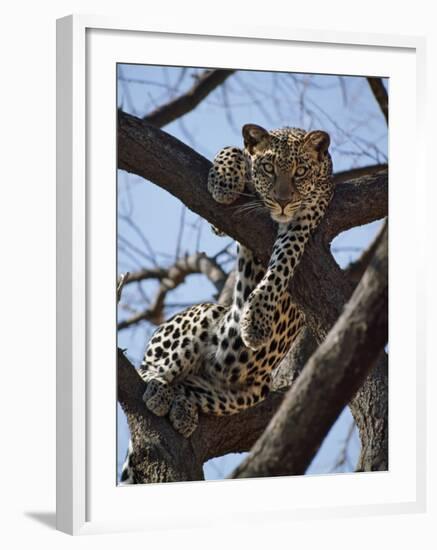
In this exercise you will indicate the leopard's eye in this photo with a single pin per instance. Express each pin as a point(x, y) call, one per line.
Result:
point(268, 167)
point(301, 171)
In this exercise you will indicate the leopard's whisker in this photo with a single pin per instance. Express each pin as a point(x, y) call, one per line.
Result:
point(244, 206)
point(251, 211)
point(249, 204)
point(250, 207)
point(293, 207)
point(247, 210)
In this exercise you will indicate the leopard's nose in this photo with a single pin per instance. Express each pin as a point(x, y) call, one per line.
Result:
point(283, 203)
point(282, 191)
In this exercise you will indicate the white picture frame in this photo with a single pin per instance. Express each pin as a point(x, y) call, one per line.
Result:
point(76, 309)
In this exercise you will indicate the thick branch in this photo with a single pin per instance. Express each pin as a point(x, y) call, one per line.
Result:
point(320, 288)
point(167, 162)
point(353, 173)
point(329, 380)
point(207, 82)
point(161, 454)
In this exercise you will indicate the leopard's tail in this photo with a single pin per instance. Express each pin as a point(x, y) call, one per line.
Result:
point(127, 477)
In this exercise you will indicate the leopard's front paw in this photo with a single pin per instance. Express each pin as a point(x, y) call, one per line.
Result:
point(158, 397)
point(255, 324)
point(184, 416)
point(227, 176)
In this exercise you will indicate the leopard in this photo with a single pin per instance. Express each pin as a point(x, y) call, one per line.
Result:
point(219, 360)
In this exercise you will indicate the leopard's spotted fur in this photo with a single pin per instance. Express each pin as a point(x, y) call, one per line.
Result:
point(219, 359)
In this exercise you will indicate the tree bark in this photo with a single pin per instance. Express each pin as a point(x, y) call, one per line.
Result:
point(319, 286)
point(159, 453)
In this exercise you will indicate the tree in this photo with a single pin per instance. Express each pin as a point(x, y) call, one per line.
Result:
point(339, 359)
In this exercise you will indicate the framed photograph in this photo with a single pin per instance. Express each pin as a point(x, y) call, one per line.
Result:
point(238, 327)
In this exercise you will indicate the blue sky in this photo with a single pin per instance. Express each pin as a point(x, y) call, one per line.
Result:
point(343, 106)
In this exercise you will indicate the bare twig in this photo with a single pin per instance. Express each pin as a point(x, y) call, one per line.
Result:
point(180, 232)
point(127, 244)
point(151, 256)
point(146, 273)
point(207, 82)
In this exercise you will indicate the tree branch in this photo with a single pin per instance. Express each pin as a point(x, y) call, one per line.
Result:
point(380, 93)
point(354, 271)
point(328, 381)
point(206, 82)
point(171, 278)
point(161, 454)
point(348, 175)
point(156, 156)
point(291, 366)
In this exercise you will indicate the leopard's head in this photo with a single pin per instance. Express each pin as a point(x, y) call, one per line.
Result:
point(290, 168)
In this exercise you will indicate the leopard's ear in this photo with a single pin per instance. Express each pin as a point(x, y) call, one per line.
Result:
point(256, 138)
point(318, 142)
